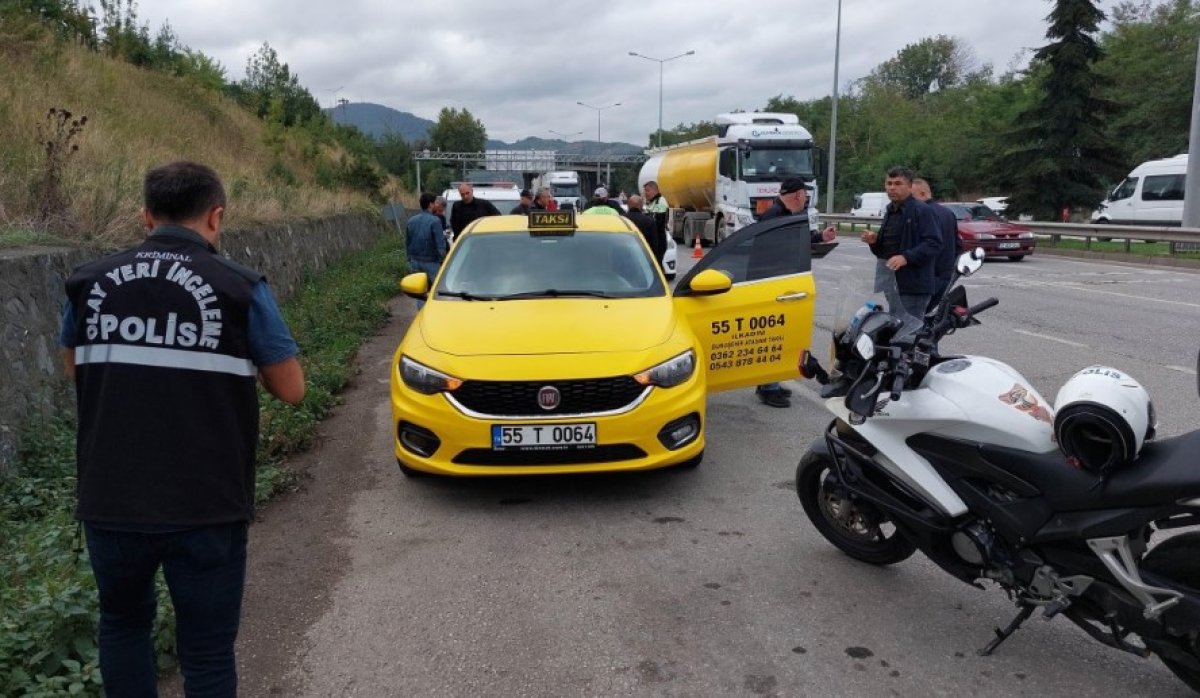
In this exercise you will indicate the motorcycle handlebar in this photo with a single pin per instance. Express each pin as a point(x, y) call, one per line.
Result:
point(976, 309)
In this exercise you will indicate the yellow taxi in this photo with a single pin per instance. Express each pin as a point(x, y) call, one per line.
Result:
point(553, 344)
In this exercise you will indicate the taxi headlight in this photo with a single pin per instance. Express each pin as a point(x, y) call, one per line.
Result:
point(671, 372)
point(426, 380)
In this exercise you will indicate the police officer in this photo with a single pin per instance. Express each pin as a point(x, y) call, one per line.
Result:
point(165, 342)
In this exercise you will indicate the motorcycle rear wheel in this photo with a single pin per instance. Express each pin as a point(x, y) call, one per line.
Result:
point(857, 528)
point(1176, 559)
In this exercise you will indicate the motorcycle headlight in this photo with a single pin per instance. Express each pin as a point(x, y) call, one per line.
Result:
point(671, 372)
point(424, 379)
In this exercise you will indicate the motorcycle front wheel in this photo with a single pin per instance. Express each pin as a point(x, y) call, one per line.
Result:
point(855, 527)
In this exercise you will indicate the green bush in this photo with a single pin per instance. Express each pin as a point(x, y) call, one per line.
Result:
point(48, 605)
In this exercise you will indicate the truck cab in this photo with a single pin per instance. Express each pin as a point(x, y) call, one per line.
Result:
point(720, 184)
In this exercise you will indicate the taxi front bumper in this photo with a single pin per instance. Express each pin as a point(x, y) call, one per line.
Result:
point(433, 433)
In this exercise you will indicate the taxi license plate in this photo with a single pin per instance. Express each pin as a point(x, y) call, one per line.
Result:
point(1008, 245)
point(533, 437)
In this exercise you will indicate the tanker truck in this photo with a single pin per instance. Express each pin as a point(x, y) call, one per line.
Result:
point(717, 185)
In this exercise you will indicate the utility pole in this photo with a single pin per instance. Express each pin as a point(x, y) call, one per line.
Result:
point(837, 49)
point(1191, 197)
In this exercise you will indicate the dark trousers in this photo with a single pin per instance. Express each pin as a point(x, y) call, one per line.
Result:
point(205, 570)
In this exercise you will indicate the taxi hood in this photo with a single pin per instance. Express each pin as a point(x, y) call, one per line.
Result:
point(546, 325)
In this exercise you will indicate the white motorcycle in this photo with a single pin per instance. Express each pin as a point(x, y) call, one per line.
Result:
point(961, 458)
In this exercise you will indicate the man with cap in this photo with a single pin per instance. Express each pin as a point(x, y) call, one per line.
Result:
point(523, 208)
point(792, 200)
point(601, 204)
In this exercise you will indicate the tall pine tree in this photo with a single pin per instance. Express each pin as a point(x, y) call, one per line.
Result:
point(1059, 156)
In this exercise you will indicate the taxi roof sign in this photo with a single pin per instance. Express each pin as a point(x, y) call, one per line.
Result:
point(551, 221)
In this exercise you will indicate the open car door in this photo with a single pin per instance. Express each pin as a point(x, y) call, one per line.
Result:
point(753, 328)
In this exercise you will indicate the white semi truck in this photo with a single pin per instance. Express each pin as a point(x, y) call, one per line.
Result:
point(717, 185)
point(563, 186)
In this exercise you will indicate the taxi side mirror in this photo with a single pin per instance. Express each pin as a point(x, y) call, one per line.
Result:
point(415, 285)
point(710, 282)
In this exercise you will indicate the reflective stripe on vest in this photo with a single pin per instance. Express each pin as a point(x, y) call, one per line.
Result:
point(163, 358)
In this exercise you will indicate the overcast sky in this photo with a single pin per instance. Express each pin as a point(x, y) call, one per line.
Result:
point(521, 66)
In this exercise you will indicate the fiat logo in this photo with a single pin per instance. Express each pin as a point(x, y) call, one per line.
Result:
point(548, 397)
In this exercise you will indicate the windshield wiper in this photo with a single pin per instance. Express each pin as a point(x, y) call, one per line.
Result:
point(466, 296)
point(555, 293)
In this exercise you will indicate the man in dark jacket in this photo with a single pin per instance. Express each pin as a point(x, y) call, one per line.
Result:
point(907, 243)
point(469, 208)
point(646, 224)
point(425, 242)
point(526, 205)
point(948, 227)
point(793, 199)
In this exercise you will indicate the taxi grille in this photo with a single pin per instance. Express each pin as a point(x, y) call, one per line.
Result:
point(600, 454)
point(520, 398)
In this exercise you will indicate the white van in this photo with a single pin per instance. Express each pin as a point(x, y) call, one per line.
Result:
point(1152, 194)
point(870, 204)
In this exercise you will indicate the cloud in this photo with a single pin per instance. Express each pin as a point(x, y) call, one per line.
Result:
point(521, 66)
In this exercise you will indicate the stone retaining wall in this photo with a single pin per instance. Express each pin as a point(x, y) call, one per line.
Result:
point(32, 384)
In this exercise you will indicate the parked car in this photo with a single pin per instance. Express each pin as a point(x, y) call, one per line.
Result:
point(980, 226)
point(869, 204)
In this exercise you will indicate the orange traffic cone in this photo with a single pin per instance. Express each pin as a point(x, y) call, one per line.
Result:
point(697, 253)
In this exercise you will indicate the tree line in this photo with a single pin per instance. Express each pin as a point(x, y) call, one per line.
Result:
point(1090, 106)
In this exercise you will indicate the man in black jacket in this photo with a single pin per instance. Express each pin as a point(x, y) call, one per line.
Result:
point(649, 228)
point(793, 199)
point(526, 205)
point(469, 208)
point(907, 243)
point(948, 228)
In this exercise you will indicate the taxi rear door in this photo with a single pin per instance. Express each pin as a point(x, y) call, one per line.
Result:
point(754, 332)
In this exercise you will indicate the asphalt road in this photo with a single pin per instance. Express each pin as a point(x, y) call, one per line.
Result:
point(700, 583)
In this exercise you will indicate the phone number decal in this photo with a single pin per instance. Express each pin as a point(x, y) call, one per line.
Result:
point(746, 341)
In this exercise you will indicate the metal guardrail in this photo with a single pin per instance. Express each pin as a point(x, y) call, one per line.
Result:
point(1181, 239)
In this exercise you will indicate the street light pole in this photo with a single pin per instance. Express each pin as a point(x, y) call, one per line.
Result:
point(598, 110)
point(1191, 197)
point(837, 49)
point(660, 62)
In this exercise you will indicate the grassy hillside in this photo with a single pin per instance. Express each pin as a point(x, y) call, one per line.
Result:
point(137, 118)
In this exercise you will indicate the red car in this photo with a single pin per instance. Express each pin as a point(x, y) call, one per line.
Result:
point(980, 226)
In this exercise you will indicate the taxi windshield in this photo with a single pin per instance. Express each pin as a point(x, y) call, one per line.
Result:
point(510, 266)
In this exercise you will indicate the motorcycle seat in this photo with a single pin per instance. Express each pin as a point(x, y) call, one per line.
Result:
point(1165, 472)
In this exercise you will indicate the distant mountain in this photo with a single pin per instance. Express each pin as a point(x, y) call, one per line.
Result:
point(377, 121)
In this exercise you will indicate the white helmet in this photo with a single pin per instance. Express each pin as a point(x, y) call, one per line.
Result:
point(1102, 417)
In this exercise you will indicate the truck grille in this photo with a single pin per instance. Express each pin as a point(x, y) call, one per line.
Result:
point(520, 398)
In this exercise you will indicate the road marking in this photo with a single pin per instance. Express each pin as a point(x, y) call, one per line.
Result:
point(1091, 289)
point(1183, 369)
point(1052, 339)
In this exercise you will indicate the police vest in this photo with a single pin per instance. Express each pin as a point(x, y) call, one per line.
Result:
point(168, 407)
